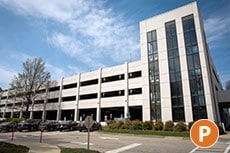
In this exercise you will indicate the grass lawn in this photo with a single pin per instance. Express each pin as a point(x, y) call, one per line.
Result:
point(77, 150)
point(12, 148)
point(147, 132)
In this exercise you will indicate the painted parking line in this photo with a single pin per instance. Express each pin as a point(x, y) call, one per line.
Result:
point(82, 143)
point(124, 148)
point(109, 138)
point(195, 149)
point(227, 150)
point(220, 146)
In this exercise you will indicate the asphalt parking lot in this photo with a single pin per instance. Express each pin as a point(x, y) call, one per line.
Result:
point(114, 143)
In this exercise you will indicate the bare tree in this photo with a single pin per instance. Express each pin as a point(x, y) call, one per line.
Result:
point(228, 85)
point(26, 85)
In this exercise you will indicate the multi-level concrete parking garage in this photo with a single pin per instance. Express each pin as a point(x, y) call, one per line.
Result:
point(174, 80)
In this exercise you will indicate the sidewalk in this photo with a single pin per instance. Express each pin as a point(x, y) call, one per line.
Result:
point(39, 147)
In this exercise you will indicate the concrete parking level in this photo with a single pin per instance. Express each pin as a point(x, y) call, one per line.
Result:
point(115, 143)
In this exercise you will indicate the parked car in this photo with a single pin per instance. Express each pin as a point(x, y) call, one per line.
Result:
point(67, 125)
point(48, 125)
point(2, 120)
point(30, 125)
point(96, 126)
point(7, 126)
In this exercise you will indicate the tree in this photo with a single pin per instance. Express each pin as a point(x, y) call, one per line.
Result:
point(26, 85)
point(228, 85)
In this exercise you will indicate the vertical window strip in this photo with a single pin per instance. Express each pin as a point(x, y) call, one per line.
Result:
point(194, 68)
point(174, 72)
point(154, 80)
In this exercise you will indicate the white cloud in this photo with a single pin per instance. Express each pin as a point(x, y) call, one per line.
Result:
point(6, 76)
point(217, 27)
point(68, 44)
point(75, 69)
point(90, 29)
point(56, 72)
point(19, 56)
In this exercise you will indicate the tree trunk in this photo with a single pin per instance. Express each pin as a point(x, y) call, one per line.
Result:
point(27, 113)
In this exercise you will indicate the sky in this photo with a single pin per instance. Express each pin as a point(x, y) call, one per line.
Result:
point(77, 36)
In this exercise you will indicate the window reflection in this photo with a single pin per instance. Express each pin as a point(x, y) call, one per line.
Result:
point(193, 63)
point(154, 75)
point(175, 73)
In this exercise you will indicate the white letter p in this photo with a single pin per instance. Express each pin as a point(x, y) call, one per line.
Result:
point(203, 132)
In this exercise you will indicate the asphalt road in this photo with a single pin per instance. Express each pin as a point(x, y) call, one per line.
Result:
point(114, 143)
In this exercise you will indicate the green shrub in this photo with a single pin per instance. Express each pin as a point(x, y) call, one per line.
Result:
point(17, 120)
point(112, 125)
point(120, 124)
point(190, 124)
point(110, 121)
point(136, 125)
point(169, 125)
point(147, 125)
point(127, 125)
point(158, 126)
point(77, 150)
point(12, 148)
point(180, 127)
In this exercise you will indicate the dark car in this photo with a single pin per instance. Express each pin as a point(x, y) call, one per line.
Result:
point(67, 125)
point(96, 126)
point(48, 125)
point(30, 125)
point(8, 126)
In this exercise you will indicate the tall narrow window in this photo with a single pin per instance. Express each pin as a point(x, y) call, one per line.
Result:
point(154, 81)
point(174, 72)
point(194, 69)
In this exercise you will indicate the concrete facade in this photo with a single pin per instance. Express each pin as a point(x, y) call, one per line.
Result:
point(130, 86)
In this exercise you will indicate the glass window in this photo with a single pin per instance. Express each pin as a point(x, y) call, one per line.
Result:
point(189, 50)
point(150, 48)
point(172, 77)
point(171, 64)
point(196, 61)
point(149, 37)
point(154, 47)
point(198, 73)
point(156, 67)
point(150, 58)
point(195, 49)
point(193, 63)
point(176, 53)
point(153, 74)
point(169, 43)
point(175, 73)
point(170, 53)
point(176, 64)
point(190, 62)
point(154, 35)
point(193, 37)
point(178, 76)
